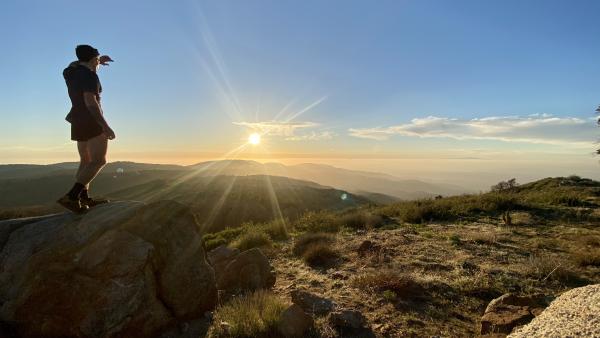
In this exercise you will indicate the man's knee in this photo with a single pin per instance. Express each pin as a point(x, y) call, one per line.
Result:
point(99, 163)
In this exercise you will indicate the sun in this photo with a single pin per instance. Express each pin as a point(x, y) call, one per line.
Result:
point(254, 139)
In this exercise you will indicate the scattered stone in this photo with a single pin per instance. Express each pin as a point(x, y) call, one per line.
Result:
point(576, 313)
point(312, 303)
point(349, 319)
point(248, 271)
point(294, 322)
point(339, 275)
point(469, 266)
point(367, 247)
point(508, 311)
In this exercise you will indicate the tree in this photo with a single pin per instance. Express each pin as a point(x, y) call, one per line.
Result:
point(505, 185)
point(598, 112)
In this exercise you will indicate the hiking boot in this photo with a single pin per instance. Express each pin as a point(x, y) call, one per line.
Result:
point(73, 205)
point(92, 202)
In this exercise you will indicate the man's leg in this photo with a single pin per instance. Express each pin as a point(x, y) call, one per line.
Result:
point(96, 148)
point(84, 157)
point(72, 199)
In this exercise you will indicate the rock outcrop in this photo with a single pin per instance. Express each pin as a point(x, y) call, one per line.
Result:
point(122, 269)
point(576, 313)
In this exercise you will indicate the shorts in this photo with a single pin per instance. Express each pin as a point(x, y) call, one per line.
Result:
point(85, 130)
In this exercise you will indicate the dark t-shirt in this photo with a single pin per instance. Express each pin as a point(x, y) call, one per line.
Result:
point(80, 79)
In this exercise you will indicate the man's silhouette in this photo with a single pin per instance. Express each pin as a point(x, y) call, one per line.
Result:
point(88, 126)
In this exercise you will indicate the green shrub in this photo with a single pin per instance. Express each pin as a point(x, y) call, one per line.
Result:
point(389, 295)
point(223, 237)
point(253, 239)
point(455, 240)
point(252, 315)
point(276, 229)
point(317, 222)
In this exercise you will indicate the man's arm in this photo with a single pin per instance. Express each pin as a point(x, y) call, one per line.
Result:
point(94, 107)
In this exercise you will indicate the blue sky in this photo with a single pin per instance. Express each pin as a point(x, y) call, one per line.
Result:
point(398, 79)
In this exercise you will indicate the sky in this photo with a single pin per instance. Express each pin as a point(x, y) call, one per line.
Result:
point(424, 89)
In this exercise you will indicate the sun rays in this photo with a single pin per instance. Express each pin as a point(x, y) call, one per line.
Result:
point(214, 64)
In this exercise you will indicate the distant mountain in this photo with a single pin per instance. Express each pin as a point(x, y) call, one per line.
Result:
point(27, 185)
point(350, 180)
point(10, 171)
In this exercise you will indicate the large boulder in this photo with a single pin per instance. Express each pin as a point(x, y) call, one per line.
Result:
point(576, 313)
point(122, 269)
point(509, 310)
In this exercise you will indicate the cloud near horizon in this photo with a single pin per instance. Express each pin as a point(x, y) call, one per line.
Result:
point(291, 131)
point(535, 128)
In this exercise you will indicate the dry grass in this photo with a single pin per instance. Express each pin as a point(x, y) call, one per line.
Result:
point(545, 267)
point(482, 237)
point(402, 285)
point(253, 315)
point(586, 257)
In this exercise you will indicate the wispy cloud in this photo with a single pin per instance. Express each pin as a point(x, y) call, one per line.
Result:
point(291, 131)
point(535, 128)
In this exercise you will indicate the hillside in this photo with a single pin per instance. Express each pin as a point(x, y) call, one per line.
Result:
point(430, 267)
point(228, 201)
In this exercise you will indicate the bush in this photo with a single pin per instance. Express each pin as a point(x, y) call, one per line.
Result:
point(253, 239)
point(276, 229)
point(319, 254)
point(304, 241)
point(317, 222)
point(223, 237)
point(360, 219)
point(252, 315)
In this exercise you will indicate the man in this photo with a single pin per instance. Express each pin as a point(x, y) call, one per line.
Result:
point(88, 126)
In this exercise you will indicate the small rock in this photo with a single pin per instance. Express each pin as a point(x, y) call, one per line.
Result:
point(312, 303)
point(349, 319)
point(294, 322)
point(508, 311)
point(367, 247)
point(339, 275)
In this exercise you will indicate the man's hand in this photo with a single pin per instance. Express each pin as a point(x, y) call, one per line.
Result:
point(110, 134)
point(105, 59)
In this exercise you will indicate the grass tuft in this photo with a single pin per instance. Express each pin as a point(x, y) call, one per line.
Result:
point(252, 315)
